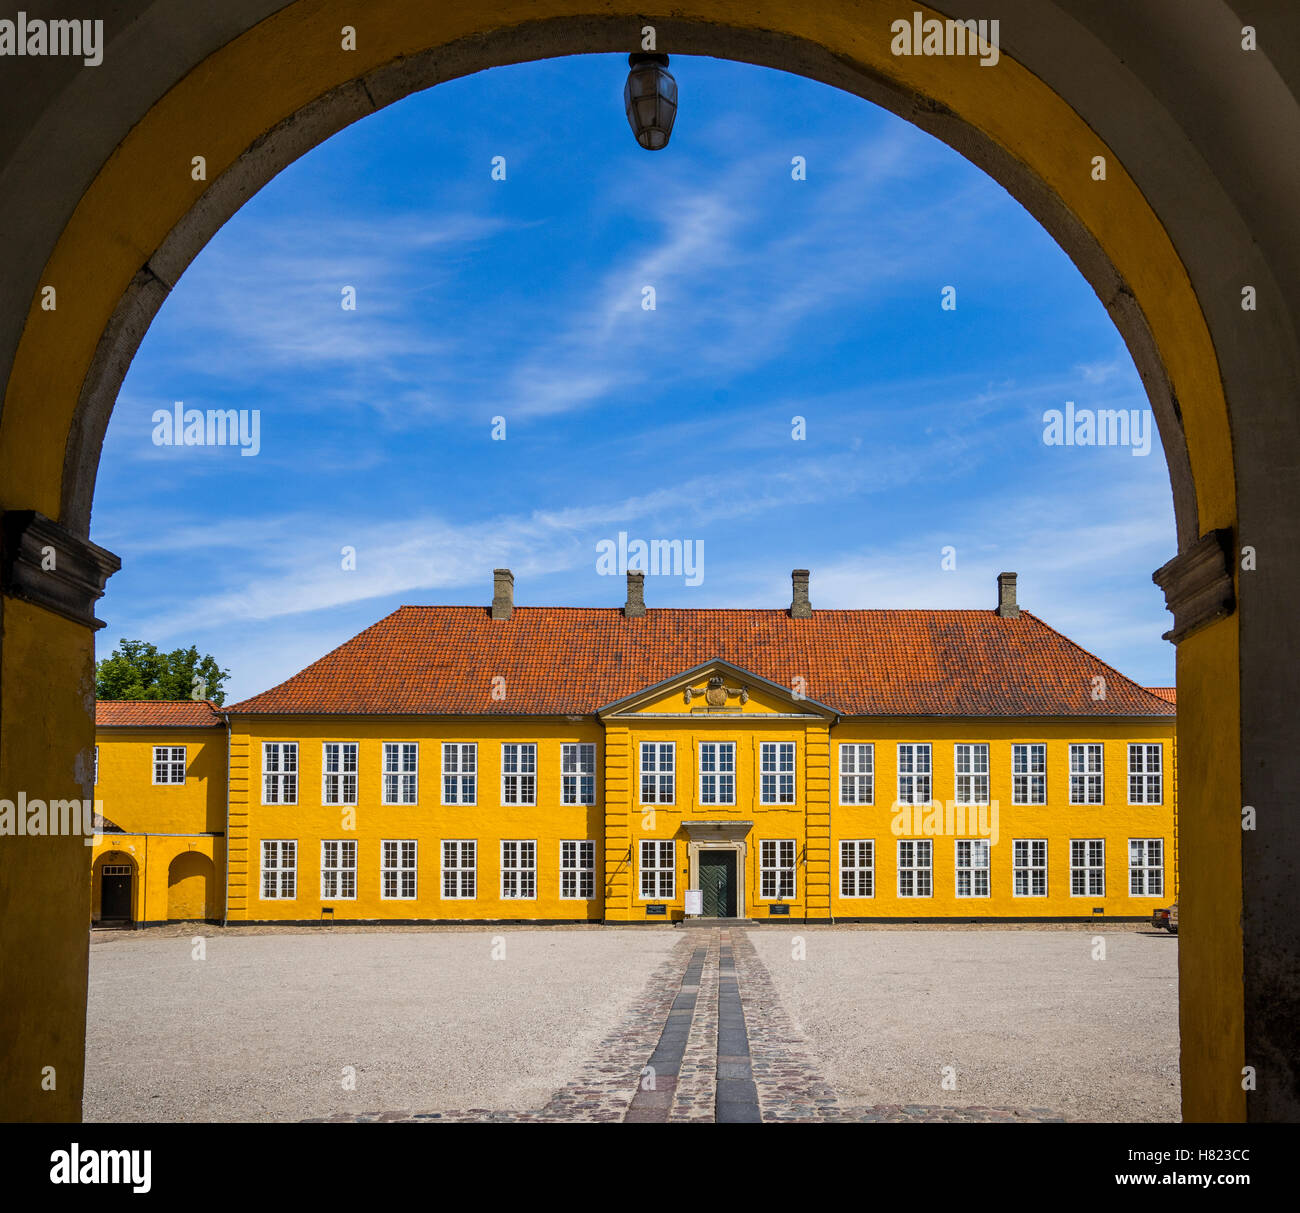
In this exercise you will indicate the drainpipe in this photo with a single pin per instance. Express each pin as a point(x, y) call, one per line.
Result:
point(225, 894)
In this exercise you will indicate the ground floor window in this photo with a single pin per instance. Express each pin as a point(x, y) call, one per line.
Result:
point(1146, 867)
point(518, 870)
point(1029, 867)
point(279, 869)
point(776, 869)
point(857, 868)
point(338, 870)
point(972, 867)
point(1087, 867)
point(459, 870)
point(398, 870)
point(658, 871)
point(915, 868)
point(577, 870)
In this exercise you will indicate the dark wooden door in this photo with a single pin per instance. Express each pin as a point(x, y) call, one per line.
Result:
point(718, 883)
point(116, 903)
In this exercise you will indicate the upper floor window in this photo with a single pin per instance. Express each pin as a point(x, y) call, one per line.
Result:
point(519, 773)
point(279, 772)
point(717, 772)
point(971, 763)
point(401, 772)
point(1086, 774)
point(914, 773)
point(338, 772)
point(1144, 774)
point(578, 773)
point(459, 772)
point(168, 764)
point(776, 772)
point(658, 772)
point(1029, 774)
point(857, 773)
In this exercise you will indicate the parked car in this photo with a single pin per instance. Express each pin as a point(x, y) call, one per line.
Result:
point(1166, 919)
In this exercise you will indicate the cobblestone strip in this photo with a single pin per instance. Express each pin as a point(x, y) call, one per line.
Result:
point(696, 1081)
point(737, 1097)
point(652, 1100)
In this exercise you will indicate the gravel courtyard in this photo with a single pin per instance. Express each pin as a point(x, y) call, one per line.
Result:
point(265, 1027)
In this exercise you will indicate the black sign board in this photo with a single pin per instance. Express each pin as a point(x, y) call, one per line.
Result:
point(656, 911)
point(779, 910)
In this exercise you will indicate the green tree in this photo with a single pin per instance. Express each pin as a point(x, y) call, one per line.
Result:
point(137, 670)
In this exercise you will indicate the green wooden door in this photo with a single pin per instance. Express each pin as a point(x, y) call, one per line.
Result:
point(718, 883)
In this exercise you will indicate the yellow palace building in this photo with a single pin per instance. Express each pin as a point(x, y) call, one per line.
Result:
point(514, 763)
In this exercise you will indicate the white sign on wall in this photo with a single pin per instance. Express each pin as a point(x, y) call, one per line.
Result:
point(695, 901)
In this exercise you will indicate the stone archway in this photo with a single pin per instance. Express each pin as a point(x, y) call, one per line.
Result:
point(1192, 209)
point(115, 889)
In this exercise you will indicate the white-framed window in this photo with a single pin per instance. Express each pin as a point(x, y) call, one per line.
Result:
point(169, 764)
point(1029, 867)
point(338, 870)
point(279, 772)
point(401, 772)
point(1087, 867)
point(857, 772)
point(577, 870)
point(519, 772)
point(338, 766)
point(717, 772)
point(518, 870)
point(915, 867)
point(459, 772)
point(776, 869)
point(658, 870)
point(397, 869)
point(279, 869)
point(776, 772)
point(459, 869)
point(972, 867)
point(1029, 773)
point(1146, 867)
point(1144, 774)
point(1086, 774)
point(914, 773)
point(971, 764)
point(577, 773)
point(658, 772)
point(857, 867)
point(97, 764)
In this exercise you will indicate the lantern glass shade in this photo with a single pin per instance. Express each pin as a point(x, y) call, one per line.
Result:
point(650, 99)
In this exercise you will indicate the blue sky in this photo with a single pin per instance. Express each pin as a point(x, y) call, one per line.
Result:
point(522, 298)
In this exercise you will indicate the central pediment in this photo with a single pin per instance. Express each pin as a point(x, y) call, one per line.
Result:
point(718, 688)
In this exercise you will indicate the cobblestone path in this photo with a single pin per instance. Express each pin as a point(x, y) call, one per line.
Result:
point(707, 1040)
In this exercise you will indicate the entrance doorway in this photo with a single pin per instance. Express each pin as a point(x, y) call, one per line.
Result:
point(115, 895)
point(718, 883)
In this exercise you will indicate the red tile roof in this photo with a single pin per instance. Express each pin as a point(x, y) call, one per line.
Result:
point(1168, 694)
point(562, 660)
point(155, 714)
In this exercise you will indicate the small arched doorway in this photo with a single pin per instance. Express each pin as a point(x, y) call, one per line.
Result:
point(116, 881)
point(189, 887)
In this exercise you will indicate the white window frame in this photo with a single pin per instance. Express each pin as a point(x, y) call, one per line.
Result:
point(1025, 862)
point(717, 778)
point(967, 856)
point(782, 781)
point(778, 869)
point(663, 863)
point(460, 772)
point(909, 768)
point(1082, 754)
point(521, 864)
point(1029, 772)
point(1149, 779)
point(283, 849)
point(910, 852)
point(1088, 868)
point(335, 772)
point(519, 774)
point(398, 850)
point(578, 861)
point(340, 865)
point(169, 764)
point(856, 868)
point(401, 784)
point(658, 772)
point(855, 777)
point(462, 872)
point(280, 773)
point(577, 772)
point(970, 764)
point(1148, 872)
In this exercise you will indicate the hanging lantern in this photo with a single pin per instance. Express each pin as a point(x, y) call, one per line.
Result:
point(650, 98)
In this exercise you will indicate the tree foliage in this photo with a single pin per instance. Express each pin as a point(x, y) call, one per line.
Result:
point(137, 670)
